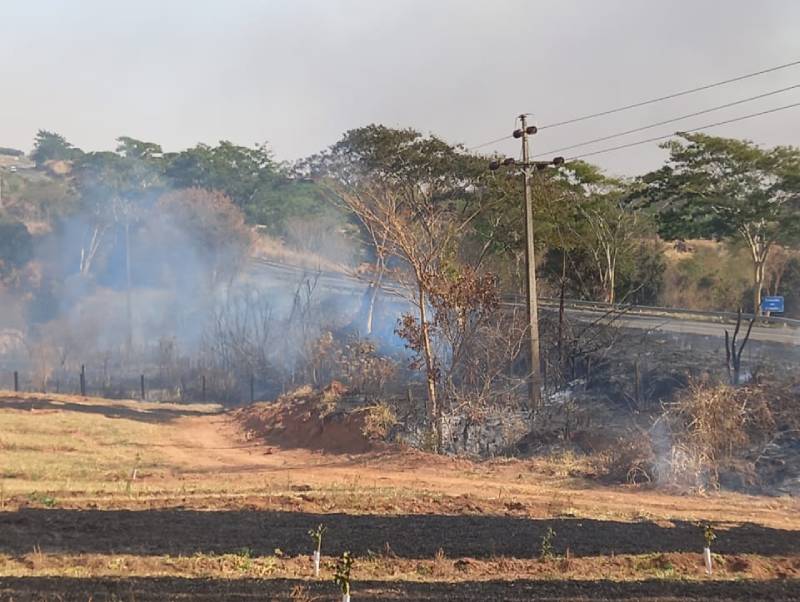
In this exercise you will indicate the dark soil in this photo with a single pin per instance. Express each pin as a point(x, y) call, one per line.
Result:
point(41, 589)
point(186, 532)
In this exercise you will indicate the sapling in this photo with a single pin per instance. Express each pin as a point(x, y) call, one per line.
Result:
point(546, 551)
point(316, 537)
point(342, 575)
point(709, 536)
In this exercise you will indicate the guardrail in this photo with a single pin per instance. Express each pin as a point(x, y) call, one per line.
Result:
point(574, 304)
point(685, 313)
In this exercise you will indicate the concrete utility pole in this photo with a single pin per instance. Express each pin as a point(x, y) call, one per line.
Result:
point(535, 380)
point(535, 376)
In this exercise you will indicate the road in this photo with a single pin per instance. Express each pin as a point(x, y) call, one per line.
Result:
point(283, 275)
point(773, 334)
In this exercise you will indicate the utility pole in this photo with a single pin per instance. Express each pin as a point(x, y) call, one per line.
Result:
point(128, 302)
point(532, 301)
point(527, 168)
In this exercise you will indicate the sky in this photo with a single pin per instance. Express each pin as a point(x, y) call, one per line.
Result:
point(299, 73)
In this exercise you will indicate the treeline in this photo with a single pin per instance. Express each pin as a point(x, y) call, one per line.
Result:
point(599, 237)
point(261, 188)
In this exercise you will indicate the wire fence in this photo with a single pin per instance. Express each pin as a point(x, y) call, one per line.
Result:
point(188, 387)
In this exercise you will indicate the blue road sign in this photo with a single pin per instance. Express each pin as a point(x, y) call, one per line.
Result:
point(772, 304)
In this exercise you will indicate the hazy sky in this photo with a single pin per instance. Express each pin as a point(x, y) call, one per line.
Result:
point(297, 73)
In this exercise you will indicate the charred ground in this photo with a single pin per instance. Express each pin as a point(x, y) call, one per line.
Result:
point(219, 509)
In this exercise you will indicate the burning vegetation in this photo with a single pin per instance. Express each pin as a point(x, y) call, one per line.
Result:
point(140, 273)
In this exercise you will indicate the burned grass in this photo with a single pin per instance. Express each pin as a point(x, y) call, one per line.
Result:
point(61, 589)
point(186, 532)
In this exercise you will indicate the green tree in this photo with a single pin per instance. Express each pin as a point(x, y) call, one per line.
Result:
point(601, 242)
point(104, 177)
point(132, 148)
point(722, 188)
point(116, 190)
point(49, 146)
point(16, 246)
point(235, 170)
point(268, 193)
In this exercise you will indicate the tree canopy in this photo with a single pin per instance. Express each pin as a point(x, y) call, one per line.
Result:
point(719, 188)
point(49, 146)
point(264, 190)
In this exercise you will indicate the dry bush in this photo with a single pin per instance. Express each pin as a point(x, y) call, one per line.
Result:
point(710, 429)
point(713, 428)
point(216, 227)
point(378, 421)
point(711, 276)
point(44, 359)
point(784, 402)
point(300, 593)
point(631, 460)
point(353, 361)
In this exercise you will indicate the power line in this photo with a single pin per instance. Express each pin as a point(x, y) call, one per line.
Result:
point(488, 143)
point(477, 146)
point(666, 121)
point(697, 129)
point(670, 96)
point(651, 101)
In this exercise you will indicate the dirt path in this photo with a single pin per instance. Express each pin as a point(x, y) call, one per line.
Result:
point(204, 452)
point(207, 457)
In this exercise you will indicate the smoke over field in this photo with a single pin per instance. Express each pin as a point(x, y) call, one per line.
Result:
point(162, 285)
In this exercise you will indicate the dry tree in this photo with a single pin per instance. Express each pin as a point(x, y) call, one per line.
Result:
point(733, 353)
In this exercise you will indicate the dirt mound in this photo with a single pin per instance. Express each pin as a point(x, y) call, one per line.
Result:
point(310, 419)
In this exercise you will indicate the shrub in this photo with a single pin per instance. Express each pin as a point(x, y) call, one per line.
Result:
point(316, 536)
point(546, 550)
point(342, 572)
point(378, 421)
point(631, 460)
point(709, 430)
point(16, 246)
point(712, 428)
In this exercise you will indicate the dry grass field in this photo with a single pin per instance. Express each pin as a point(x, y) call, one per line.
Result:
point(103, 500)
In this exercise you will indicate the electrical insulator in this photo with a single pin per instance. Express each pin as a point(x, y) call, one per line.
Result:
point(531, 129)
point(517, 134)
point(558, 161)
point(508, 161)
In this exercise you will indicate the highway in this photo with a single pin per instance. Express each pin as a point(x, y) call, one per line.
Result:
point(712, 326)
point(677, 325)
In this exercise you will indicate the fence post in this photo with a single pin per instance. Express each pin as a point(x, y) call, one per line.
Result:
point(142, 384)
point(204, 388)
point(16, 381)
point(83, 380)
